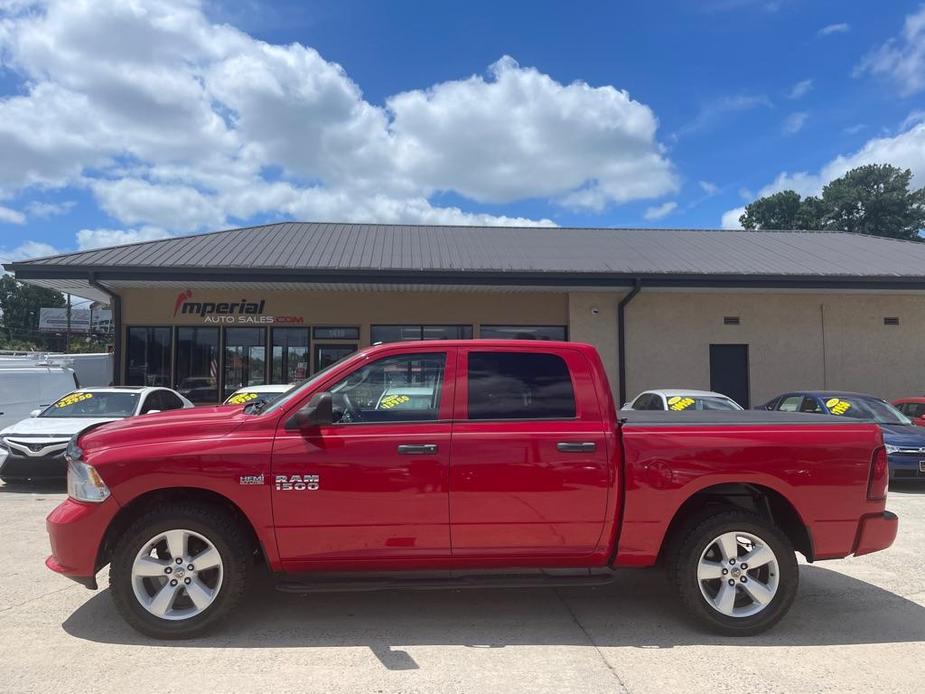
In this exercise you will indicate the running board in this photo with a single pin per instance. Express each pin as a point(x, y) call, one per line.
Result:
point(338, 583)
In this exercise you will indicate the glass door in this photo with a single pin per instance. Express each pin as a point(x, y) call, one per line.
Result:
point(197, 364)
point(289, 350)
point(245, 359)
point(325, 355)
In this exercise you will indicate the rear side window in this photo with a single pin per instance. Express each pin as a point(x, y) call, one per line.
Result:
point(519, 385)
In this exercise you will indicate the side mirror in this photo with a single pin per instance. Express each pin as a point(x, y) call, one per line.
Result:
point(35, 413)
point(318, 412)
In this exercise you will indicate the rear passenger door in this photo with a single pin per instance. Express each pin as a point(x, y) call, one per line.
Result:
point(529, 473)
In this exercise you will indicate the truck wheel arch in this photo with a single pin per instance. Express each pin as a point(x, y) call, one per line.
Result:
point(757, 498)
point(143, 502)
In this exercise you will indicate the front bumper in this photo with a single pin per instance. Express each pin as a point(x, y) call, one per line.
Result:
point(907, 467)
point(876, 532)
point(76, 532)
point(20, 467)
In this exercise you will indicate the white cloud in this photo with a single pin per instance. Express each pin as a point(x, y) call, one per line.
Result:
point(838, 28)
point(10, 216)
point(27, 250)
point(905, 150)
point(521, 134)
point(172, 121)
point(43, 210)
point(708, 187)
point(97, 238)
point(794, 122)
point(660, 211)
point(901, 59)
point(730, 218)
point(714, 112)
point(800, 89)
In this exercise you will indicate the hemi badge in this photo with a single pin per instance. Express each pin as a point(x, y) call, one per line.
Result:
point(251, 479)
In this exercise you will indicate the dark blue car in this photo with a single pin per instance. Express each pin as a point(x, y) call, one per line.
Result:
point(905, 442)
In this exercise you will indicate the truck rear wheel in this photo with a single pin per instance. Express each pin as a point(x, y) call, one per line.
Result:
point(736, 573)
point(179, 569)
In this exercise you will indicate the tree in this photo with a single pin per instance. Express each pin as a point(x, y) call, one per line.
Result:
point(777, 211)
point(20, 304)
point(873, 199)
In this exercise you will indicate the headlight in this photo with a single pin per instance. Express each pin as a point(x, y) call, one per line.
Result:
point(890, 449)
point(84, 483)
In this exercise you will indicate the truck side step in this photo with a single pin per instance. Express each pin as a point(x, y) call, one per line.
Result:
point(337, 583)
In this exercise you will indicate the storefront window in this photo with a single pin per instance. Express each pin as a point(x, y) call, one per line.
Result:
point(148, 357)
point(245, 358)
point(402, 333)
point(523, 332)
point(197, 363)
point(325, 355)
point(290, 354)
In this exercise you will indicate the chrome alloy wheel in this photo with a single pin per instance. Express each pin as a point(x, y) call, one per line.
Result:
point(177, 574)
point(738, 574)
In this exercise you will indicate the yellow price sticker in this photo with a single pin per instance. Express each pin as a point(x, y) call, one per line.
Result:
point(837, 405)
point(390, 401)
point(677, 403)
point(241, 398)
point(72, 399)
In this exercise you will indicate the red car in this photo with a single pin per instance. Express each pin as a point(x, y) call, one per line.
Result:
point(459, 464)
point(913, 408)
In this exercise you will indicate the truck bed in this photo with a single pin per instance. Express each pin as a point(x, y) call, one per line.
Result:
point(645, 418)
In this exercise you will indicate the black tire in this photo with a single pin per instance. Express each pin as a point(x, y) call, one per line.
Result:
point(226, 534)
point(697, 537)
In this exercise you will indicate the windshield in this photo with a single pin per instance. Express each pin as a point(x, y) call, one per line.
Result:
point(93, 404)
point(300, 387)
point(866, 408)
point(680, 403)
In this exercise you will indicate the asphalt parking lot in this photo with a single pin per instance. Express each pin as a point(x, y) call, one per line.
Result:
point(857, 625)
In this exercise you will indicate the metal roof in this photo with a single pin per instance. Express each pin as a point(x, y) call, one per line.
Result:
point(384, 252)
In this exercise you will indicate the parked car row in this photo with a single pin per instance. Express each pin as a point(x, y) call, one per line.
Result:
point(901, 422)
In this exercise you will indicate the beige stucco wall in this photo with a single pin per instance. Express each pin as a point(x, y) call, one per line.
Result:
point(796, 340)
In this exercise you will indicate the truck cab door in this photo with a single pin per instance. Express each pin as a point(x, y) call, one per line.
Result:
point(530, 472)
point(371, 487)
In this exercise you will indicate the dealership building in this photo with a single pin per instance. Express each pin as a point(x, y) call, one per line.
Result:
point(750, 314)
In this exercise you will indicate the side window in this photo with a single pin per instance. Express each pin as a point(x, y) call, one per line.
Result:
point(791, 403)
point(404, 388)
point(169, 401)
point(905, 408)
point(655, 402)
point(519, 385)
point(914, 409)
point(152, 402)
point(641, 403)
point(811, 405)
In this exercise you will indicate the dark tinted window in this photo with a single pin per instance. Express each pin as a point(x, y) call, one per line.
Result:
point(404, 333)
point(169, 401)
point(519, 385)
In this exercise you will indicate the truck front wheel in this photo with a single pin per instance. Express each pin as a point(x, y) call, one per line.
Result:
point(179, 569)
point(736, 573)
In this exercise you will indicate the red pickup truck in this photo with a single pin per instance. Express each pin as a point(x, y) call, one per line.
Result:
point(463, 463)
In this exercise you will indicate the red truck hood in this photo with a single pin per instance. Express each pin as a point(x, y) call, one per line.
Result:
point(174, 425)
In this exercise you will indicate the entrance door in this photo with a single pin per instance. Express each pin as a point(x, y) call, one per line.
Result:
point(325, 355)
point(379, 472)
point(729, 372)
point(529, 475)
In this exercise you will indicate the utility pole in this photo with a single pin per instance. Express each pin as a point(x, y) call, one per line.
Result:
point(67, 334)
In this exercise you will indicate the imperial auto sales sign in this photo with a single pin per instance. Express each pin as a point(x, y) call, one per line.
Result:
point(240, 312)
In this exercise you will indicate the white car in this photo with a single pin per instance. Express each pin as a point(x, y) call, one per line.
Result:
point(34, 448)
point(256, 394)
point(680, 400)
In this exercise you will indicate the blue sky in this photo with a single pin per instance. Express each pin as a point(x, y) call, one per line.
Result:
point(124, 121)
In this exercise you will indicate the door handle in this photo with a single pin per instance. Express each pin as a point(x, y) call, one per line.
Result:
point(417, 448)
point(576, 446)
